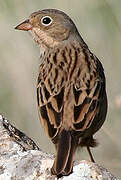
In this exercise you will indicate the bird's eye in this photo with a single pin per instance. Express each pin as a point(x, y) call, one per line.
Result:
point(46, 20)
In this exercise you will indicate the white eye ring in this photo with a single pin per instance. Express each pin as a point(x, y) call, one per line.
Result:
point(46, 20)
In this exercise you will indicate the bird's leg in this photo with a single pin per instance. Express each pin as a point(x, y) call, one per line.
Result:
point(90, 154)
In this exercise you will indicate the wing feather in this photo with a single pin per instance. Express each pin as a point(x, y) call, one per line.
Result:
point(87, 102)
point(50, 104)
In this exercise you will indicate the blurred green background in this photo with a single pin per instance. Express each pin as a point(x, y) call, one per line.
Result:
point(99, 22)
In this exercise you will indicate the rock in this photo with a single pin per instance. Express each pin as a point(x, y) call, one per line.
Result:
point(22, 159)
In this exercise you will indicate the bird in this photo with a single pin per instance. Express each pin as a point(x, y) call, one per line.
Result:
point(71, 86)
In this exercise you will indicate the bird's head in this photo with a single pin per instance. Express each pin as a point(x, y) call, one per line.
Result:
point(49, 27)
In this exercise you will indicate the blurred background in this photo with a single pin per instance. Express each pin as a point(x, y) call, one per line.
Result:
point(99, 23)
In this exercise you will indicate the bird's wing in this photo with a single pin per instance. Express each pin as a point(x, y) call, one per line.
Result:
point(88, 100)
point(50, 95)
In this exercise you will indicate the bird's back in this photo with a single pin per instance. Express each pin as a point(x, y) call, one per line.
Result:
point(69, 89)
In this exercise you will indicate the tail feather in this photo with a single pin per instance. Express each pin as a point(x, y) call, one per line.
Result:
point(64, 158)
point(69, 164)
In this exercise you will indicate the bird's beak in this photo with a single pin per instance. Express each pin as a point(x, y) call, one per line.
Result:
point(25, 26)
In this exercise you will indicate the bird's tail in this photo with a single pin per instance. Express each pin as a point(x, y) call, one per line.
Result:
point(65, 149)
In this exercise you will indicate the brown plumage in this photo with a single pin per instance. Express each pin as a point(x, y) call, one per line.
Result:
point(71, 95)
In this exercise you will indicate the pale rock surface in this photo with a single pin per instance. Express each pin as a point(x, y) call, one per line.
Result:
point(21, 159)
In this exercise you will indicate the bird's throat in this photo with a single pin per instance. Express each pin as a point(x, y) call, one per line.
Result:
point(41, 37)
